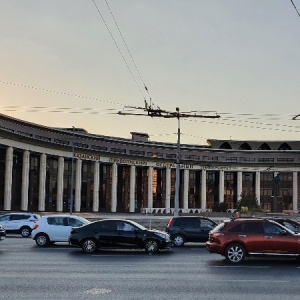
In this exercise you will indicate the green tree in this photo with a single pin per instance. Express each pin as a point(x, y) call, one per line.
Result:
point(249, 199)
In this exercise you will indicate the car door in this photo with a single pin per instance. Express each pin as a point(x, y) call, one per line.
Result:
point(192, 229)
point(205, 227)
point(17, 221)
point(59, 229)
point(250, 234)
point(127, 235)
point(105, 232)
point(277, 240)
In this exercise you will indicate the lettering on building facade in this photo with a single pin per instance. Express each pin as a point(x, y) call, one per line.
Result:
point(87, 156)
point(128, 161)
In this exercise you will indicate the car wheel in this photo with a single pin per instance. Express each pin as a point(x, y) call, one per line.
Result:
point(42, 240)
point(178, 240)
point(151, 246)
point(235, 253)
point(89, 246)
point(25, 231)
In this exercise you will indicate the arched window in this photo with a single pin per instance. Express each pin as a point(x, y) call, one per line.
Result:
point(285, 146)
point(245, 146)
point(264, 146)
point(225, 145)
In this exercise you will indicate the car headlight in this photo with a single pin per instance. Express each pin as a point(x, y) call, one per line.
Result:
point(163, 235)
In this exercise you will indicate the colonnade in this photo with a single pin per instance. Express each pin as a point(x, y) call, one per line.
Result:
point(95, 207)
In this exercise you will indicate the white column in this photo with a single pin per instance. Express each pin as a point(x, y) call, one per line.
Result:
point(239, 185)
point(132, 190)
point(295, 190)
point(257, 186)
point(96, 187)
point(8, 178)
point(25, 181)
point(168, 188)
point(150, 187)
point(42, 186)
point(203, 189)
point(60, 184)
point(221, 186)
point(78, 185)
point(114, 187)
point(186, 178)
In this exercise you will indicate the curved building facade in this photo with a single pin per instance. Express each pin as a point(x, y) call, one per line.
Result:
point(46, 169)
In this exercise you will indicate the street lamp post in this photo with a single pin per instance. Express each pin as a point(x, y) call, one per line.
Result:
point(72, 172)
point(177, 182)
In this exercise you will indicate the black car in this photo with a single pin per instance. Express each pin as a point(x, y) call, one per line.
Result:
point(118, 233)
point(185, 229)
point(288, 223)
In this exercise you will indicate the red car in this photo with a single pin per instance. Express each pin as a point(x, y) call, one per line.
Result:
point(239, 238)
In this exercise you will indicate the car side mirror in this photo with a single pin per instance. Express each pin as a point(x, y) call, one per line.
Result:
point(283, 232)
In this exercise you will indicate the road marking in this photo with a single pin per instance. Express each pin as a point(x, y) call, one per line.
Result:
point(250, 267)
point(253, 280)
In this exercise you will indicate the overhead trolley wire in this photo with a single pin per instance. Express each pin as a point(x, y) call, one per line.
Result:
point(295, 7)
point(117, 46)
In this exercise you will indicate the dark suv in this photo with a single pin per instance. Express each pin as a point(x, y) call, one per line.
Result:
point(185, 229)
point(239, 238)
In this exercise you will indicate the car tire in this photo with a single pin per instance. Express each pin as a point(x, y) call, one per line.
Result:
point(42, 240)
point(178, 240)
point(235, 253)
point(89, 246)
point(25, 231)
point(151, 246)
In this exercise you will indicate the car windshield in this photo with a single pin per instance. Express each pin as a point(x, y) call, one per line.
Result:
point(219, 227)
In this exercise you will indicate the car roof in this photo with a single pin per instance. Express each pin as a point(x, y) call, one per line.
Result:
point(60, 215)
point(20, 213)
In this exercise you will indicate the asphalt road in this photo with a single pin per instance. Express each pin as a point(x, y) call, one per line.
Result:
point(190, 272)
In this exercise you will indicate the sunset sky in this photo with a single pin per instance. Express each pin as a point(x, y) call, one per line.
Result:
point(77, 63)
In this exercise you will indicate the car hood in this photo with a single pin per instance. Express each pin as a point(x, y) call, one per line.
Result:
point(157, 231)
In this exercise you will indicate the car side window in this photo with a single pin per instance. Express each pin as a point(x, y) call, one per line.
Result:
point(15, 217)
point(5, 218)
point(207, 224)
point(75, 222)
point(58, 221)
point(247, 228)
point(123, 226)
point(270, 228)
point(108, 225)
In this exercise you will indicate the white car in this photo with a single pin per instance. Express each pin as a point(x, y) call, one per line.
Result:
point(19, 222)
point(55, 228)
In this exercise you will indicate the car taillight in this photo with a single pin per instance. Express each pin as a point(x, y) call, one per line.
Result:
point(170, 222)
point(35, 226)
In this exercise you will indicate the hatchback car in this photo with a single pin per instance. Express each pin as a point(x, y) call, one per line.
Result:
point(239, 238)
point(185, 229)
point(19, 222)
point(55, 228)
point(118, 234)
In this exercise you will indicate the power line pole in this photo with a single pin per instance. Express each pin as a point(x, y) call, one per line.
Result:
point(151, 112)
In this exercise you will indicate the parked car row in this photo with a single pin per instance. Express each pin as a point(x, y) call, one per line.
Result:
point(234, 239)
